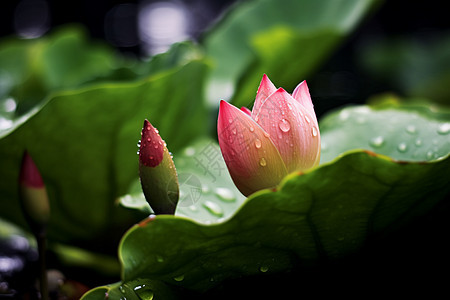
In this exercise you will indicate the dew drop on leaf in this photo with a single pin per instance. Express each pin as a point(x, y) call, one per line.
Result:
point(377, 142)
point(144, 292)
point(225, 194)
point(179, 278)
point(411, 129)
point(444, 128)
point(264, 269)
point(213, 208)
point(402, 147)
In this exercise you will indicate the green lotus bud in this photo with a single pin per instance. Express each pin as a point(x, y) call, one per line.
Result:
point(159, 178)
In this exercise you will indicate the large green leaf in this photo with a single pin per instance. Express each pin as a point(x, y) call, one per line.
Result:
point(84, 143)
point(30, 69)
point(407, 133)
point(285, 39)
point(310, 219)
point(417, 67)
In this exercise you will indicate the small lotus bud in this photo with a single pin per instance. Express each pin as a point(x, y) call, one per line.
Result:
point(157, 172)
point(33, 194)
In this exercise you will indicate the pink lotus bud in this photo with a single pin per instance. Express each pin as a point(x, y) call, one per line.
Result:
point(159, 179)
point(279, 136)
point(33, 194)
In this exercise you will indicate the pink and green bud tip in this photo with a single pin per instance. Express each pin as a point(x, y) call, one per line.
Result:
point(278, 136)
point(157, 172)
point(33, 194)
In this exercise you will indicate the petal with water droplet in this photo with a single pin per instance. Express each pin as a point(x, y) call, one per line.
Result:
point(291, 128)
point(242, 154)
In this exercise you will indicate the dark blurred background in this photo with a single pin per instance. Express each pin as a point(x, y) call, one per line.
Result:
point(353, 73)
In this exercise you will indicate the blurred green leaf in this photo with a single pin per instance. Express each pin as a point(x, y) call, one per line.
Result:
point(285, 39)
point(311, 218)
point(30, 69)
point(84, 143)
point(416, 67)
point(402, 132)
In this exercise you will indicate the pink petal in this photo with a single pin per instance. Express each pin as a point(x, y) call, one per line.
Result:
point(252, 159)
point(29, 173)
point(266, 88)
point(292, 129)
point(246, 110)
point(152, 146)
point(301, 94)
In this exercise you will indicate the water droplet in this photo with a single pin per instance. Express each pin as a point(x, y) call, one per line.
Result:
point(314, 131)
point(444, 128)
point(143, 292)
point(230, 120)
point(189, 151)
point(149, 127)
point(205, 188)
point(257, 143)
point(122, 289)
point(179, 278)
point(193, 208)
point(430, 154)
point(418, 142)
point(377, 142)
point(264, 269)
point(262, 162)
point(252, 129)
point(233, 131)
point(151, 157)
point(307, 119)
point(411, 129)
point(284, 125)
point(266, 134)
point(402, 147)
point(225, 194)
point(213, 208)
point(139, 144)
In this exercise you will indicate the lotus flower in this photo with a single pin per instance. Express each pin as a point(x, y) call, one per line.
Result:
point(279, 136)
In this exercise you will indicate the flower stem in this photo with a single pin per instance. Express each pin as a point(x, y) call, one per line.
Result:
point(41, 238)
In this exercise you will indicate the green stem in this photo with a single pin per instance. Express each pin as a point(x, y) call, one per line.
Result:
point(42, 245)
